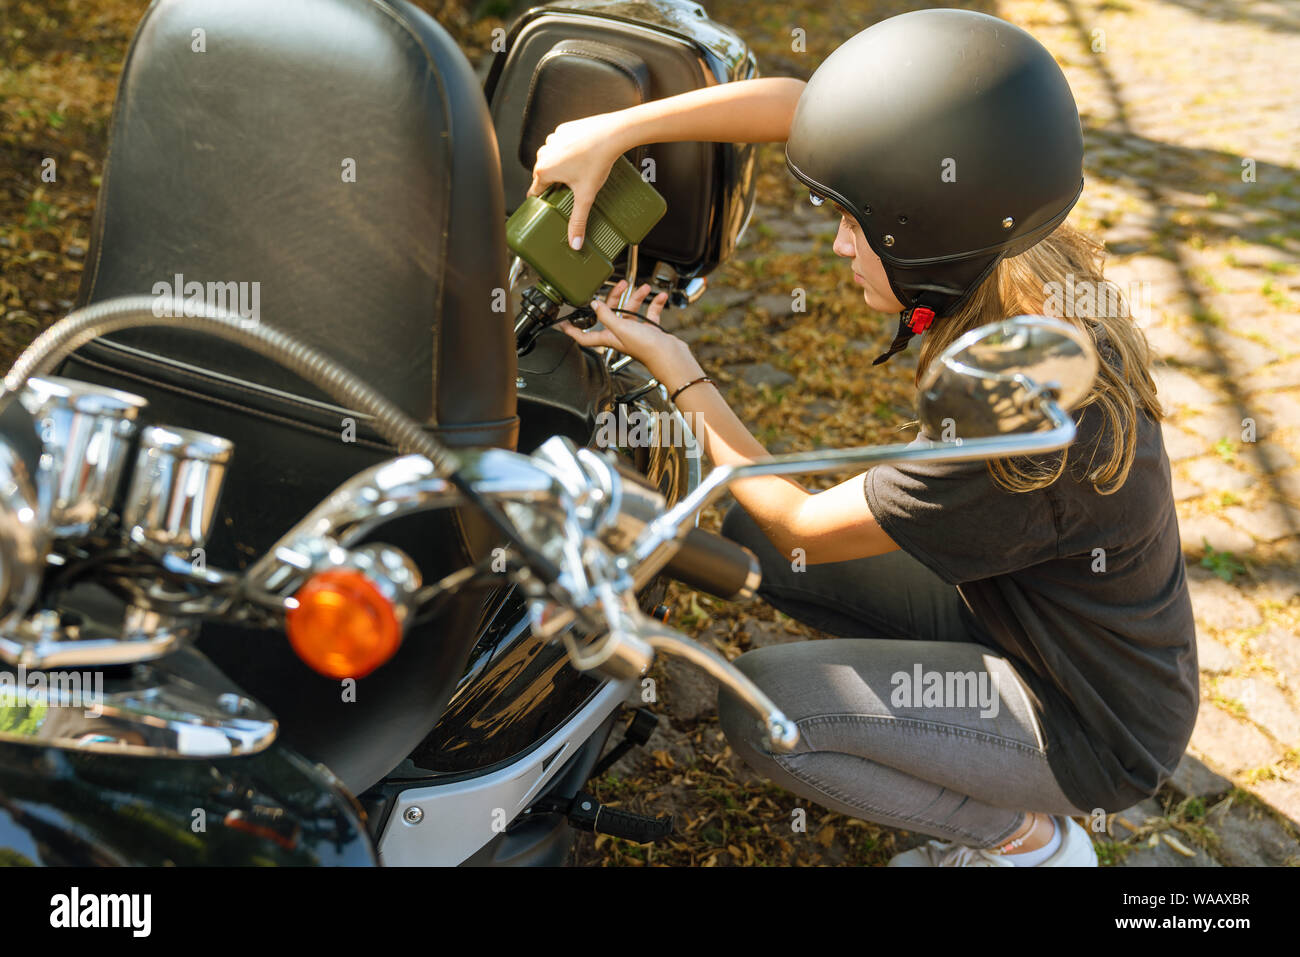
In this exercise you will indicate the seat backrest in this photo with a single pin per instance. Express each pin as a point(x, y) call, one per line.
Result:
point(333, 163)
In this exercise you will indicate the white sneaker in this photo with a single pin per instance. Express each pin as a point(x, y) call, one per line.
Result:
point(1076, 850)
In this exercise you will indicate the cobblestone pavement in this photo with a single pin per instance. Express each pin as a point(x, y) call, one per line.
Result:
point(1191, 111)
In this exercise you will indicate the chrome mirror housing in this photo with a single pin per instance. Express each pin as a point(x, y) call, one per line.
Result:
point(24, 540)
point(990, 380)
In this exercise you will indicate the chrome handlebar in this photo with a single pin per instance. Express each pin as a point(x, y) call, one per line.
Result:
point(606, 533)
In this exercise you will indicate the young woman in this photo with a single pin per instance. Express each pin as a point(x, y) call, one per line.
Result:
point(1017, 645)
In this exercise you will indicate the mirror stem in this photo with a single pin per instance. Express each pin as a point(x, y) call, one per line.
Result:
point(667, 526)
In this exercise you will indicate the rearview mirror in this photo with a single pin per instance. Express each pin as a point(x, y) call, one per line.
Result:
point(990, 380)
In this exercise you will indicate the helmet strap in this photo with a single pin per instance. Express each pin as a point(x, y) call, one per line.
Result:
point(911, 322)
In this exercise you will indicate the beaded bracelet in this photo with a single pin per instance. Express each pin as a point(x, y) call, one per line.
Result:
point(703, 378)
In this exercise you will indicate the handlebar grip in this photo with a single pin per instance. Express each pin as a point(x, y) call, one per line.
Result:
point(712, 563)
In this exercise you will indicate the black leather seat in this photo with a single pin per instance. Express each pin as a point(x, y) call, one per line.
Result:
point(236, 128)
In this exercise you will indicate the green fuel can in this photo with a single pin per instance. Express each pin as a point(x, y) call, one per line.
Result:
point(625, 210)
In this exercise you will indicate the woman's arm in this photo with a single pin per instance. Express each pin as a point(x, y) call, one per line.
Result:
point(748, 111)
point(581, 152)
point(834, 525)
point(831, 526)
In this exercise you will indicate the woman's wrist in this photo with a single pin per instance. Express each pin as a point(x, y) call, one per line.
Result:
point(676, 366)
point(628, 131)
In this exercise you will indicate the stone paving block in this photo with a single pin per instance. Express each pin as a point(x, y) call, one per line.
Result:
point(1249, 319)
point(763, 373)
point(686, 693)
point(764, 633)
point(1181, 444)
point(1138, 815)
point(1288, 486)
point(1277, 411)
point(1193, 779)
point(1217, 475)
point(1221, 536)
point(1184, 490)
point(1282, 796)
point(1160, 853)
point(724, 297)
point(1216, 422)
point(1269, 457)
point(729, 318)
point(1177, 388)
point(777, 305)
point(1250, 837)
point(819, 409)
point(1283, 650)
point(1168, 343)
point(1266, 705)
point(1227, 744)
point(1254, 255)
point(1281, 375)
point(1164, 855)
point(802, 246)
point(1267, 522)
point(1218, 604)
point(1214, 657)
point(1243, 357)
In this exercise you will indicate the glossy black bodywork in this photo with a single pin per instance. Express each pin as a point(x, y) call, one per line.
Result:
point(68, 808)
point(518, 689)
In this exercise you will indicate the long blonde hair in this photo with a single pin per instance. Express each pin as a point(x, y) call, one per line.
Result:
point(1027, 284)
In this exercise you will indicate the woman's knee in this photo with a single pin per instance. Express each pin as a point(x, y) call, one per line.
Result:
point(743, 729)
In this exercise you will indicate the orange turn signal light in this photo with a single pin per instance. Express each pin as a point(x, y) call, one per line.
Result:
point(343, 626)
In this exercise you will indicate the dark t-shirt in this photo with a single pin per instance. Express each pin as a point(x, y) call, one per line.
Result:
point(1109, 656)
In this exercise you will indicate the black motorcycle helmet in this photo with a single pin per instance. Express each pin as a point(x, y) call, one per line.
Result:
point(952, 138)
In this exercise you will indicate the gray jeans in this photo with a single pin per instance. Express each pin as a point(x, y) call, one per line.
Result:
point(908, 720)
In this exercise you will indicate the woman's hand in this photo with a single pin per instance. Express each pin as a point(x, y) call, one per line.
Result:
point(579, 154)
point(667, 357)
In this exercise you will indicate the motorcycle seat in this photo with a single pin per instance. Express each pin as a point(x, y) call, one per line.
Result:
point(330, 168)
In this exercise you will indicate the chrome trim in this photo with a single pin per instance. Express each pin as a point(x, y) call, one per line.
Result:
point(781, 734)
point(152, 713)
point(86, 431)
point(143, 635)
point(668, 525)
point(174, 490)
point(24, 538)
point(381, 493)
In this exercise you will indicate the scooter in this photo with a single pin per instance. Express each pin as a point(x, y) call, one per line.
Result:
point(355, 584)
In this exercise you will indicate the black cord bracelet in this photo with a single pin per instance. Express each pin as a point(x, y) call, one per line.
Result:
point(703, 378)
